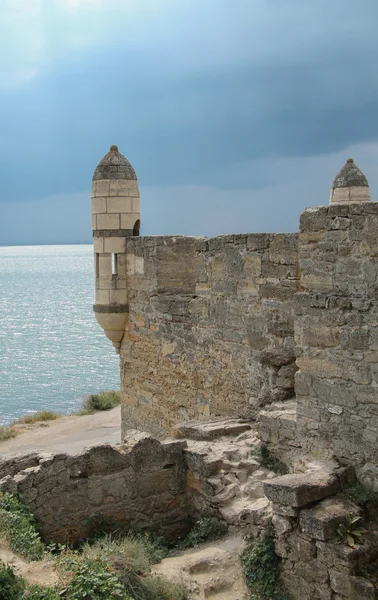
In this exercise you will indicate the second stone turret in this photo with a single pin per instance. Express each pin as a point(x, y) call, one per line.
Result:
point(350, 185)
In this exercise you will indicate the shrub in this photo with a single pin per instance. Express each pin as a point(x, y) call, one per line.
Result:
point(267, 460)
point(42, 415)
point(20, 527)
point(6, 433)
point(94, 578)
point(261, 568)
point(11, 586)
point(37, 592)
point(101, 401)
point(131, 558)
point(204, 530)
point(136, 552)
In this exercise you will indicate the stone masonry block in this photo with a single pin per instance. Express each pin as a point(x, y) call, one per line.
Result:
point(115, 245)
point(136, 205)
point(102, 296)
point(101, 187)
point(98, 245)
point(321, 521)
point(98, 205)
point(105, 265)
point(119, 204)
point(108, 222)
point(128, 220)
point(301, 489)
point(118, 296)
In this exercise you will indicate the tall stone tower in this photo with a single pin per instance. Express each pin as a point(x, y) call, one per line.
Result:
point(350, 185)
point(115, 216)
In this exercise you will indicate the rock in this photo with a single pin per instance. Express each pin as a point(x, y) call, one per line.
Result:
point(281, 525)
point(228, 494)
point(254, 489)
point(321, 521)
point(301, 489)
point(211, 429)
point(285, 511)
point(277, 357)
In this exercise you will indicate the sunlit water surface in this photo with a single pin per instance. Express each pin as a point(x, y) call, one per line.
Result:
point(52, 351)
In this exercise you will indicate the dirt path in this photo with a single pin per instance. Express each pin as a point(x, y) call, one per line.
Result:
point(211, 571)
point(66, 434)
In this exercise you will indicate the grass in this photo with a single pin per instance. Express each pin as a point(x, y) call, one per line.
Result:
point(110, 568)
point(42, 415)
point(101, 401)
point(20, 527)
point(123, 566)
point(269, 461)
point(6, 433)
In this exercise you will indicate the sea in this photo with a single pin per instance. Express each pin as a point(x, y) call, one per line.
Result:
point(52, 351)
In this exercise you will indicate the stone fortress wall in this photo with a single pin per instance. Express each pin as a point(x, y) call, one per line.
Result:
point(210, 329)
point(233, 324)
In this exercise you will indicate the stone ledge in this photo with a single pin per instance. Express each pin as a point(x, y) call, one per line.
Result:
point(301, 489)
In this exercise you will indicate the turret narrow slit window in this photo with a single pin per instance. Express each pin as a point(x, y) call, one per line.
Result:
point(97, 265)
point(114, 264)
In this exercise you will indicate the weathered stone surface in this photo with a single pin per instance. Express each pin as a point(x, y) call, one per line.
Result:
point(301, 489)
point(200, 313)
point(321, 521)
point(142, 483)
point(211, 429)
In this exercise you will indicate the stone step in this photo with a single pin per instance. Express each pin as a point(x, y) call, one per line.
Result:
point(278, 423)
point(211, 429)
point(305, 488)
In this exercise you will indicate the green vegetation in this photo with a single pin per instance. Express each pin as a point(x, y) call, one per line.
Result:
point(94, 578)
point(42, 415)
point(108, 568)
point(261, 568)
point(101, 401)
point(124, 562)
point(7, 432)
point(361, 494)
point(267, 460)
point(204, 530)
point(11, 586)
point(351, 533)
point(37, 592)
point(20, 527)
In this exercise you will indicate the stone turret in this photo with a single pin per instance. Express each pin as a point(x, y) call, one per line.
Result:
point(350, 185)
point(115, 216)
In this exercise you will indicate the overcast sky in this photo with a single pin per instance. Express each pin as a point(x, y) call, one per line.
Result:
point(236, 115)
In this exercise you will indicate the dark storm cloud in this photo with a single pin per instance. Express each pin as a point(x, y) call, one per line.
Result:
point(190, 95)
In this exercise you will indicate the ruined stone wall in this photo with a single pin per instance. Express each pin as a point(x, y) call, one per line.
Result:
point(316, 563)
point(210, 327)
point(336, 333)
point(142, 484)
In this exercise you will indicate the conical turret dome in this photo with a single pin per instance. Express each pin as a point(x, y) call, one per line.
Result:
point(114, 166)
point(350, 185)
